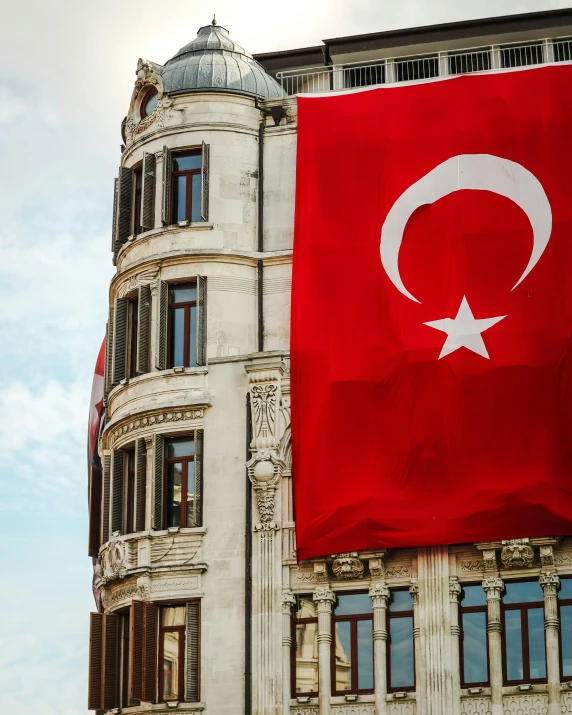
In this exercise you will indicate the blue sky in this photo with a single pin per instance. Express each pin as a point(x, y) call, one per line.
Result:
point(68, 73)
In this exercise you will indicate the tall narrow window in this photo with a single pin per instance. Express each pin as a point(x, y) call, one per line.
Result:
point(186, 187)
point(137, 198)
point(182, 487)
point(130, 505)
point(352, 646)
point(182, 325)
point(401, 668)
point(305, 652)
point(132, 319)
point(523, 633)
point(565, 604)
point(474, 655)
point(123, 676)
point(172, 653)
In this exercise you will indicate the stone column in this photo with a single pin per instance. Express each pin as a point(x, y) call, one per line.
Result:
point(379, 594)
point(550, 583)
point(420, 669)
point(288, 601)
point(494, 587)
point(325, 599)
point(454, 594)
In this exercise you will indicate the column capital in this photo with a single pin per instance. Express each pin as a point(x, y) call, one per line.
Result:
point(379, 594)
point(550, 582)
point(494, 586)
point(454, 589)
point(414, 591)
point(324, 597)
point(288, 600)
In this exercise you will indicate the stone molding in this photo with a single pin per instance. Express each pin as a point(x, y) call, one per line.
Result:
point(131, 428)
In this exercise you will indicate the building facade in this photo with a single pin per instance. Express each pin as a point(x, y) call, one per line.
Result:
point(204, 606)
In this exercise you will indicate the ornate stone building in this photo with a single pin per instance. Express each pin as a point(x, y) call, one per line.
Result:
point(204, 607)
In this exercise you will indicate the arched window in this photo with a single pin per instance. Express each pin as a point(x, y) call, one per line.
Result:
point(149, 102)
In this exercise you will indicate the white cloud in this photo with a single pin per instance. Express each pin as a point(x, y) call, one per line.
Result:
point(11, 106)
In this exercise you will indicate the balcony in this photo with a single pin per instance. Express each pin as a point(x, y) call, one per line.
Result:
point(335, 78)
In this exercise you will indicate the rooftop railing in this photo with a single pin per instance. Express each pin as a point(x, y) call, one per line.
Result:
point(334, 78)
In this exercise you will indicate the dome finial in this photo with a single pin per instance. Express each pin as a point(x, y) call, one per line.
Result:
point(214, 20)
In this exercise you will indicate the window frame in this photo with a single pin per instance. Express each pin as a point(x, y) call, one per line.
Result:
point(184, 480)
point(294, 622)
point(130, 477)
point(132, 336)
point(353, 620)
point(146, 97)
point(182, 652)
point(192, 151)
point(186, 305)
point(563, 602)
point(473, 609)
point(523, 608)
point(388, 617)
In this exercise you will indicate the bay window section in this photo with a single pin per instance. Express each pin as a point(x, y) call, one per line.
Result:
point(172, 653)
point(473, 642)
point(352, 646)
point(182, 325)
point(186, 188)
point(305, 653)
point(182, 488)
point(523, 633)
point(401, 664)
point(565, 611)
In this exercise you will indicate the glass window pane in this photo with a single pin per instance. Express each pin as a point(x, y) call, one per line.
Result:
point(343, 656)
point(182, 162)
point(401, 672)
point(191, 503)
point(365, 655)
point(181, 447)
point(307, 657)
point(174, 472)
point(566, 635)
point(180, 198)
point(193, 337)
point(151, 103)
point(474, 634)
point(536, 644)
point(400, 601)
point(353, 603)
point(196, 197)
point(305, 607)
point(173, 616)
point(513, 640)
point(565, 592)
point(523, 592)
point(171, 666)
point(182, 292)
point(473, 596)
point(177, 336)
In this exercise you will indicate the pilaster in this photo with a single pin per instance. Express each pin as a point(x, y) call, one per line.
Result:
point(420, 669)
point(550, 583)
point(454, 594)
point(324, 597)
point(379, 594)
point(494, 587)
point(288, 602)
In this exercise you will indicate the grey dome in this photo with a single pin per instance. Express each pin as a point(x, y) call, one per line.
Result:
point(213, 61)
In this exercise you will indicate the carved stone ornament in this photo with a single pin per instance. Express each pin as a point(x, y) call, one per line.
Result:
point(454, 589)
point(264, 413)
point(323, 595)
point(376, 567)
point(264, 471)
point(550, 581)
point(142, 423)
point(113, 562)
point(517, 554)
point(347, 566)
point(379, 594)
point(134, 282)
point(414, 591)
point(493, 584)
point(546, 556)
point(490, 560)
point(320, 574)
point(146, 77)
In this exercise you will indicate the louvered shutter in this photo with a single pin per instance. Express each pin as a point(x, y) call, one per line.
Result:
point(124, 201)
point(119, 341)
point(108, 378)
point(140, 484)
point(94, 511)
point(117, 492)
point(192, 671)
point(158, 495)
point(148, 192)
point(143, 325)
point(110, 663)
point(166, 187)
point(162, 314)
point(95, 678)
point(150, 654)
point(205, 168)
point(201, 320)
point(105, 498)
point(136, 657)
point(115, 245)
point(199, 434)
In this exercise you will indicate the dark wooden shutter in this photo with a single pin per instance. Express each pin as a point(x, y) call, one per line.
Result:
point(115, 245)
point(166, 187)
point(119, 341)
point(199, 475)
point(105, 498)
point(140, 484)
point(95, 678)
point(205, 161)
point(148, 192)
point(201, 320)
point(162, 315)
point(94, 537)
point(110, 664)
point(150, 654)
point(136, 658)
point(117, 491)
point(143, 326)
point(158, 495)
point(192, 660)
point(108, 379)
point(124, 201)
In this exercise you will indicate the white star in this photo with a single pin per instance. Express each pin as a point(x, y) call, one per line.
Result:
point(464, 331)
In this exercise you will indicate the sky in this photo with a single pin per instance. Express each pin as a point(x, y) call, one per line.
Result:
point(68, 68)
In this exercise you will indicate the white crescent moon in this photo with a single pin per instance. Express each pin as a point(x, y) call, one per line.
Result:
point(482, 172)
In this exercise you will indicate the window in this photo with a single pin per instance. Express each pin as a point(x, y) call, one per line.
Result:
point(183, 325)
point(521, 56)
point(130, 505)
point(123, 652)
point(464, 62)
point(124, 491)
point(137, 198)
point(127, 338)
point(149, 102)
point(401, 665)
point(132, 328)
point(473, 642)
point(171, 653)
point(523, 633)
point(565, 608)
point(410, 68)
point(352, 645)
point(186, 188)
point(182, 484)
point(305, 639)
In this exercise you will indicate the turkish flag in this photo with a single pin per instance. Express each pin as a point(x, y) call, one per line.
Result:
point(96, 406)
point(432, 312)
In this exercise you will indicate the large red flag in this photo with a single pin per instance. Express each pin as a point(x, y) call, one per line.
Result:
point(432, 312)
